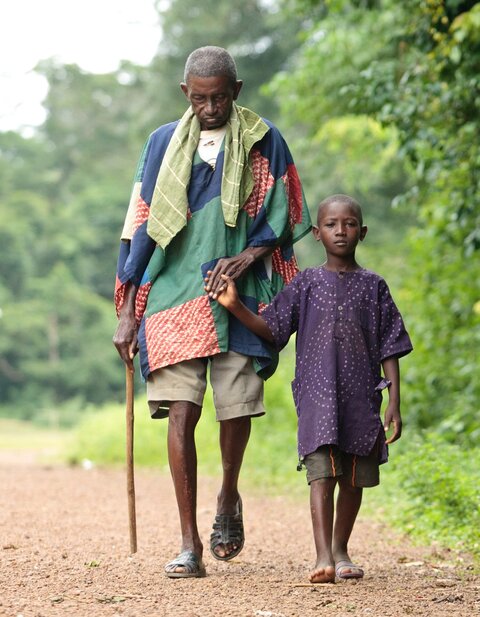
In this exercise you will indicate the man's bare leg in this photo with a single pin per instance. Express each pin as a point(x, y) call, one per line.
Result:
point(182, 457)
point(234, 436)
point(321, 507)
point(348, 504)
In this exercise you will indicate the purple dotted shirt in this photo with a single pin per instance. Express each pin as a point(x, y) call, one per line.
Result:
point(346, 324)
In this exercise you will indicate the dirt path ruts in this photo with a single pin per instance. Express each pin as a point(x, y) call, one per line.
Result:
point(64, 551)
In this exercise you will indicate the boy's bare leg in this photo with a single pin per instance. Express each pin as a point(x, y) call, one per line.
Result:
point(234, 436)
point(321, 507)
point(348, 504)
point(182, 457)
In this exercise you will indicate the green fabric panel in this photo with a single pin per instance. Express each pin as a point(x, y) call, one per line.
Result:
point(181, 279)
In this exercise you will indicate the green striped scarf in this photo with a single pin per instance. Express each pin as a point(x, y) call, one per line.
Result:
point(168, 210)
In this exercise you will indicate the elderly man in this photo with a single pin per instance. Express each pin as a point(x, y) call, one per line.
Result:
point(216, 191)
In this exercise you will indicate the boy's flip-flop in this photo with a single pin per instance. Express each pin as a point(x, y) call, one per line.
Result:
point(346, 569)
point(193, 567)
point(228, 529)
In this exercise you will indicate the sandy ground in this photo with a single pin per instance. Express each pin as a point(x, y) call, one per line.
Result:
point(64, 550)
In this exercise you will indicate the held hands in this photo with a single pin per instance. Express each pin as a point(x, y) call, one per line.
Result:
point(232, 267)
point(392, 416)
point(227, 294)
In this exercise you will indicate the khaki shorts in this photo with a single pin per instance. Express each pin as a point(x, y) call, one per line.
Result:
point(237, 389)
point(330, 462)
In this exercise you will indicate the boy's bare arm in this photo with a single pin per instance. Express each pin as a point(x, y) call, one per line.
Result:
point(229, 298)
point(391, 370)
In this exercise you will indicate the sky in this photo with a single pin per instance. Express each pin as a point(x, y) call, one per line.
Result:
point(95, 34)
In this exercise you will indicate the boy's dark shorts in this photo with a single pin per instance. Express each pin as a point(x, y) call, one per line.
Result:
point(330, 462)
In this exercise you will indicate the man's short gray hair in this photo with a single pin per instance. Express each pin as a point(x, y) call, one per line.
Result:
point(210, 61)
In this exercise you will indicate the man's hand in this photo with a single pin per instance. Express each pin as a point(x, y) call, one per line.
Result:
point(233, 267)
point(392, 416)
point(125, 338)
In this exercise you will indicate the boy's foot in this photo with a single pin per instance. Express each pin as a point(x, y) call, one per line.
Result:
point(347, 569)
point(322, 574)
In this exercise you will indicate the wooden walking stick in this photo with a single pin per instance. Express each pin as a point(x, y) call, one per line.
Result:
point(132, 519)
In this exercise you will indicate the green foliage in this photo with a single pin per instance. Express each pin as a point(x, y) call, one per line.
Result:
point(414, 65)
point(434, 492)
point(441, 296)
point(357, 156)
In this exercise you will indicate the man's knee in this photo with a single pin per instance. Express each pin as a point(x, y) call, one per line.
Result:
point(183, 415)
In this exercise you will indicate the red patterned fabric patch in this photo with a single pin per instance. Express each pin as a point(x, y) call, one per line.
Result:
point(141, 300)
point(141, 214)
point(286, 269)
point(294, 193)
point(119, 295)
point(181, 333)
point(263, 183)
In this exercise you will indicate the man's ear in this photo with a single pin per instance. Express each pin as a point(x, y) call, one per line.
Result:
point(363, 232)
point(184, 88)
point(236, 89)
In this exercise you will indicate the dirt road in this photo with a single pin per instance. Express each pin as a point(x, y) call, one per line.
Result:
point(64, 551)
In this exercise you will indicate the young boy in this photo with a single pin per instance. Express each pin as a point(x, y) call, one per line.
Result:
point(348, 327)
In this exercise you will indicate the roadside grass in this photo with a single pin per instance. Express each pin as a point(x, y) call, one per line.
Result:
point(25, 438)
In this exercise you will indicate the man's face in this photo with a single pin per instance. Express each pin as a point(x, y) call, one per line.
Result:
point(211, 99)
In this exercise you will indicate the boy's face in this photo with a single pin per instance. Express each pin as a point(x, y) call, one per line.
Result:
point(339, 229)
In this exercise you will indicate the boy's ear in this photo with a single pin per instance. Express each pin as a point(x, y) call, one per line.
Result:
point(316, 232)
point(363, 232)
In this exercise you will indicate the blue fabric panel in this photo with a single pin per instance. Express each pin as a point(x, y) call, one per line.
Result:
point(141, 249)
point(260, 233)
point(157, 147)
point(205, 183)
point(142, 344)
point(275, 149)
point(241, 339)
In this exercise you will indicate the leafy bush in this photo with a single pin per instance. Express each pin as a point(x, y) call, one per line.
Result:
point(436, 492)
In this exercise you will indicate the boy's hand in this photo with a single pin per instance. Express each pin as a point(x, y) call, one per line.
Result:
point(227, 296)
point(392, 416)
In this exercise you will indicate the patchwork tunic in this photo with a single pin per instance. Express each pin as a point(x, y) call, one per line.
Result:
point(177, 320)
point(346, 323)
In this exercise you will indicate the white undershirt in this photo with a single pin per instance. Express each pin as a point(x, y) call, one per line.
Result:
point(209, 145)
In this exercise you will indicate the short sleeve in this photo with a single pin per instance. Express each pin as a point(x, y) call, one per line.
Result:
point(283, 313)
point(394, 338)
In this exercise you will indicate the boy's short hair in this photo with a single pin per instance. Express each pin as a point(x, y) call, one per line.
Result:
point(343, 199)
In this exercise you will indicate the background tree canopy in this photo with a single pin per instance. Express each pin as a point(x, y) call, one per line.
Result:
point(379, 99)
